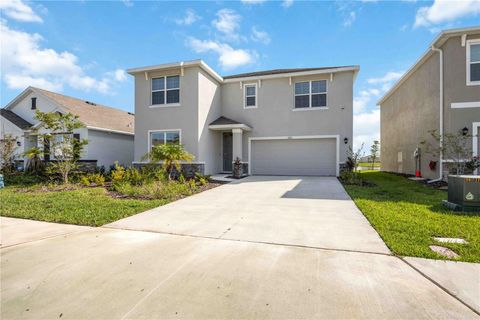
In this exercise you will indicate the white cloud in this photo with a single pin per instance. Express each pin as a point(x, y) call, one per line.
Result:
point(366, 129)
point(17, 10)
point(389, 77)
point(363, 99)
point(189, 18)
point(446, 11)
point(260, 36)
point(287, 3)
point(25, 63)
point(349, 19)
point(253, 1)
point(228, 23)
point(229, 57)
point(120, 75)
point(128, 3)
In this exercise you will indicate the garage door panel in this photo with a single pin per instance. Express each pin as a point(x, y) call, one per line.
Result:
point(305, 157)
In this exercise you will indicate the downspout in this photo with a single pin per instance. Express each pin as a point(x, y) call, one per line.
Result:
point(440, 167)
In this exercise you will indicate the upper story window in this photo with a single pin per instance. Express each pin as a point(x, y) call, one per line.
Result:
point(250, 92)
point(473, 62)
point(164, 137)
point(166, 90)
point(311, 94)
point(34, 103)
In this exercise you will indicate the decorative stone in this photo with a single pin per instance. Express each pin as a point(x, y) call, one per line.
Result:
point(444, 252)
point(451, 240)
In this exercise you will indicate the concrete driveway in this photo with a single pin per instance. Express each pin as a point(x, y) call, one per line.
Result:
point(303, 211)
point(260, 263)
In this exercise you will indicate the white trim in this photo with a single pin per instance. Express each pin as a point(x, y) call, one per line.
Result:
point(165, 90)
point(162, 130)
point(226, 127)
point(475, 138)
point(310, 109)
point(355, 69)
point(310, 94)
point(444, 34)
point(181, 64)
point(333, 136)
point(109, 130)
point(245, 86)
point(170, 105)
point(468, 62)
point(474, 104)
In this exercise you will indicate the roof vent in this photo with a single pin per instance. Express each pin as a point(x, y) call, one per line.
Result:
point(90, 103)
point(130, 113)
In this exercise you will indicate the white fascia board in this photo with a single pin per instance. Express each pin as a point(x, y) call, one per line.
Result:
point(443, 35)
point(229, 127)
point(110, 130)
point(180, 64)
point(355, 69)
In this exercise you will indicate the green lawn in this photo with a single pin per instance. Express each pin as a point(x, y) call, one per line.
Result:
point(369, 164)
point(86, 206)
point(407, 215)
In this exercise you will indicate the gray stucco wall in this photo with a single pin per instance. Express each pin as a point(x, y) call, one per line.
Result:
point(209, 109)
point(183, 117)
point(413, 109)
point(275, 116)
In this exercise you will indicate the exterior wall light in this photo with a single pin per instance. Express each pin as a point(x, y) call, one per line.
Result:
point(19, 143)
point(345, 140)
point(465, 131)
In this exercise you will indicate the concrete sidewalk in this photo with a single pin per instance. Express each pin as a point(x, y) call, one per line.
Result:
point(118, 274)
point(16, 231)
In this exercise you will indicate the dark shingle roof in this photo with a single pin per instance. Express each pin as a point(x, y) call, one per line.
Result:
point(223, 120)
point(15, 119)
point(278, 71)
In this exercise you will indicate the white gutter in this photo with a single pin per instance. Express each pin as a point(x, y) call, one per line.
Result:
point(440, 168)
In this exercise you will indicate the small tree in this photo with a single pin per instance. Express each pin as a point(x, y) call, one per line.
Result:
point(8, 146)
point(353, 159)
point(374, 150)
point(66, 149)
point(453, 147)
point(171, 155)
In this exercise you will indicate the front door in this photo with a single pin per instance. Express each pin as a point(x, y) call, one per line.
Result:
point(227, 151)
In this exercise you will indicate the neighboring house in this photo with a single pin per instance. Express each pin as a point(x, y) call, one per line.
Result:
point(277, 122)
point(440, 92)
point(109, 131)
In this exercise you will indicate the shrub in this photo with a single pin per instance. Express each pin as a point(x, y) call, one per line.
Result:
point(117, 173)
point(202, 179)
point(156, 190)
point(85, 181)
point(97, 178)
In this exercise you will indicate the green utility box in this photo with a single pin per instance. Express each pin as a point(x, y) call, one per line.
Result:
point(464, 192)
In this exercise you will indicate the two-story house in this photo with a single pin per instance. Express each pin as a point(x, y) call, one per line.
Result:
point(440, 92)
point(276, 122)
point(109, 131)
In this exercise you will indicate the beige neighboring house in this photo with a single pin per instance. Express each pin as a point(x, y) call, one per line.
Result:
point(276, 122)
point(109, 131)
point(440, 92)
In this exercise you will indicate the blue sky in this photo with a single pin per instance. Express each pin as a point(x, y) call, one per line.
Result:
point(83, 48)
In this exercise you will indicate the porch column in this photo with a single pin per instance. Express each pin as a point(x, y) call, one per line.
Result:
point(237, 143)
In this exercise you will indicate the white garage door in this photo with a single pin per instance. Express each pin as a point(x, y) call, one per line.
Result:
point(298, 157)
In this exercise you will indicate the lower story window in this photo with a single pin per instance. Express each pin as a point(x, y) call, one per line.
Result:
point(164, 137)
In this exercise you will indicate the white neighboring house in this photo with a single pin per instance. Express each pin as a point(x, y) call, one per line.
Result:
point(109, 131)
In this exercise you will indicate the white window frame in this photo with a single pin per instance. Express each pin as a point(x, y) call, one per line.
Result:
point(468, 63)
point(245, 95)
point(165, 131)
point(165, 104)
point(310, 95)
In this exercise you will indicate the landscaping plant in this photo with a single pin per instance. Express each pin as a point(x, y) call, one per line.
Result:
point(34, 162)
point(8, 146)
point(171, 155)
point(455, 147)
point(351, 174)
point(61, 142)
